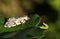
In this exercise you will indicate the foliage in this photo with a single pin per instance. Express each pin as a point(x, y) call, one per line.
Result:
point(32, 23)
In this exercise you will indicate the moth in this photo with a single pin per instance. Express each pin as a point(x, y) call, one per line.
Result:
point(14, 21)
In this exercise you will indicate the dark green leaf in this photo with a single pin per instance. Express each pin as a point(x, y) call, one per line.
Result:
point(30, 23)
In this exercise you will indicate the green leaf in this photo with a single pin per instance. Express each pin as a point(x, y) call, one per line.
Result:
point(30, 23)
point(31, 33)
point(2, 19)
point(10, 35)
point(34, 33)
